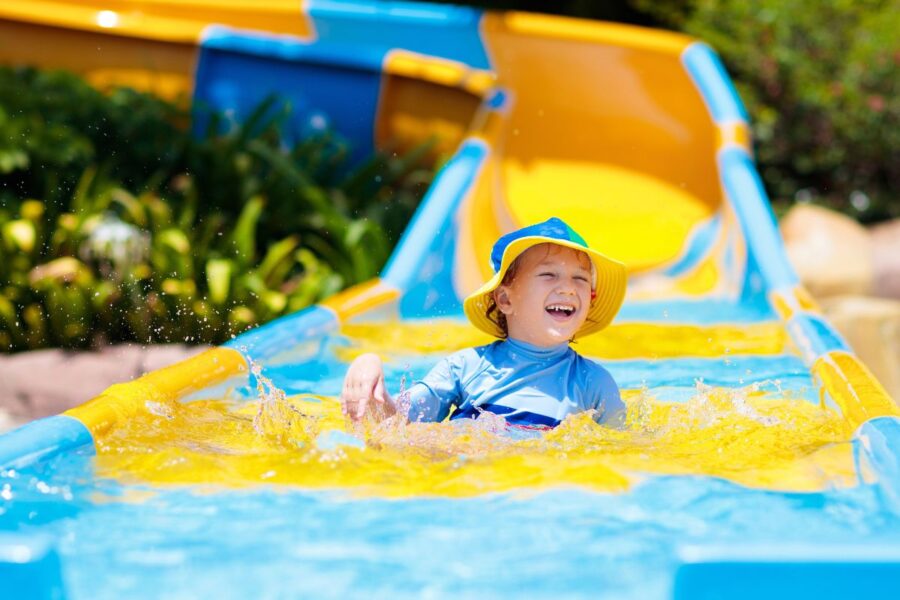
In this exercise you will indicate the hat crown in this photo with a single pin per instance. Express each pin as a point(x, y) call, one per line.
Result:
point(553, 228)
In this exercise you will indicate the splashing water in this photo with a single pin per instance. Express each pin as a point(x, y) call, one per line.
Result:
point(742, 434)
point(277, 419)
point(756, 435)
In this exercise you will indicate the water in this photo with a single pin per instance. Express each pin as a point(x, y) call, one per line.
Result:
point(254, 489)
point(274, 542)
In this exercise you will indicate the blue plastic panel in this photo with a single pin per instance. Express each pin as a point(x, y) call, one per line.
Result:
point(266, 341)
point(777, 572)
point(748, 197)
point(714, 84)
point(877, 449)
point(814, 336)
point(328, 86)
point(41, 439)
point(450, 32)
point(701, 312)
point(422, 262)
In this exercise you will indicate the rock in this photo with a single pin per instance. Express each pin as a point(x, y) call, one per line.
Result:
point(46, 382)
point(831, 252)
point(872, 328)
point(886, 259)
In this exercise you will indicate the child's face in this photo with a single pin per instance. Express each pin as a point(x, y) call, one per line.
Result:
point(548, 299)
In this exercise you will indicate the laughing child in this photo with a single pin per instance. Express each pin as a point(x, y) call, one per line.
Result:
point(549, 288)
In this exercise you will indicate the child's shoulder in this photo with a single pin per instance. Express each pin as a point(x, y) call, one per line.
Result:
point(468, 355)
point(473, 354)
point(593, 369)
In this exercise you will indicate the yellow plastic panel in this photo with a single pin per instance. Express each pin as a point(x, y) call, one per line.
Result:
point(717, 272)
point(853, 388)
point(634, 205)
point(438, 70)
point(643, 156)
point(424, 99)
point(156, 390)
point(169, 20)
point(624, 341)
point(592, 32)
point(150, 44)
point(412, 112)
point(360, 298)
point(163, 68)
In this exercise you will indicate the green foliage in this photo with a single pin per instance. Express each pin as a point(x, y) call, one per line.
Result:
point(821, 81)
point(145, 233)
point(53, 126)
point(190, 282)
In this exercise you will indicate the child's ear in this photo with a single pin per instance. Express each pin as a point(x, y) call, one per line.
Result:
point(501, 298)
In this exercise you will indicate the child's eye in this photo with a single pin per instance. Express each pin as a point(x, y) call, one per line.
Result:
point(579, 278)
point(546, 275)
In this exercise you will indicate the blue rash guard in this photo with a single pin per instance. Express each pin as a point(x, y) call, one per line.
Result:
point(526, 384)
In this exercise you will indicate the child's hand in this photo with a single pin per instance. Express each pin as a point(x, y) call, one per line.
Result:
point(364, 389)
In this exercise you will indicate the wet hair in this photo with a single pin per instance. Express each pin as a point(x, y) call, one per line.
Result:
point(493, 312)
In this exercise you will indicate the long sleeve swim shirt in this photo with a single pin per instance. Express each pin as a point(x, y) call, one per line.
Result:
point(526, 384)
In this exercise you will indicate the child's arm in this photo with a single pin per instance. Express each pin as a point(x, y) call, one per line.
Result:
point(610, 409)
point(427, 400)
point(364, 389)
point(613, 412)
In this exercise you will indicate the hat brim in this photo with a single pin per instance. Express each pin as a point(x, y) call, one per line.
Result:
point(611, 281)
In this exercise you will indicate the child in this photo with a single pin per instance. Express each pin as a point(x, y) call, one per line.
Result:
point(548, 289)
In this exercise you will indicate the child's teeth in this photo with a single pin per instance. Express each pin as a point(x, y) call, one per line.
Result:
point(560, 308)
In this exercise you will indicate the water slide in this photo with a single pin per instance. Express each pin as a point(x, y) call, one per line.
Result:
point(762, 459)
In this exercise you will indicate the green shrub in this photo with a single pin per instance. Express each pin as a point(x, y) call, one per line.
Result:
point(117, 225)
point(821, 81)
point(53, 126)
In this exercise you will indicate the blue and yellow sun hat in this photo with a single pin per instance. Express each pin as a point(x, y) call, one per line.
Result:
point(609, 275)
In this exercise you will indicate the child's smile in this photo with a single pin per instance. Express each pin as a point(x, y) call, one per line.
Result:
point(561, 312)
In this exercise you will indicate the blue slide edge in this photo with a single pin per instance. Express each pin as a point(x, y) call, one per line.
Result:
point(42, 439)
point(786, 572)
point(876, 447)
